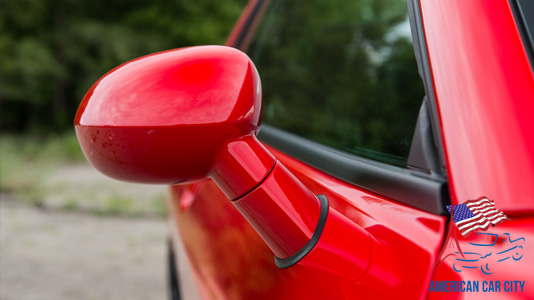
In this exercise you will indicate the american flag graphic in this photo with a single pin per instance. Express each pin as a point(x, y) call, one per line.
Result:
point(476, 214)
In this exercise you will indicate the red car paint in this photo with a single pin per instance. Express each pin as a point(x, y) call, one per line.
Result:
point(285, 224)
point(485, 91)
point(371, 247)
point(230, 260)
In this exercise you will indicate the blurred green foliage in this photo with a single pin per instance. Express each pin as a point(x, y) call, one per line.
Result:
point(52, 51)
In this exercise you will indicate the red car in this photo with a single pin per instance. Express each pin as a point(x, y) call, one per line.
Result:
point(379, 117)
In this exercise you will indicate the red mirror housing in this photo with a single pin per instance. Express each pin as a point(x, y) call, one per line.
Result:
point(163, 118)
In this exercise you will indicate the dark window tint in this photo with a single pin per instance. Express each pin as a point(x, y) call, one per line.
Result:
point(342, 73)
point(525, 16)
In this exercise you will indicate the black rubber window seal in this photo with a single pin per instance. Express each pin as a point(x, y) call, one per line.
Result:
point(295, 258)
point(424, 191)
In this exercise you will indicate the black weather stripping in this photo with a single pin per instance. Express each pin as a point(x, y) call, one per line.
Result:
point(295, 258)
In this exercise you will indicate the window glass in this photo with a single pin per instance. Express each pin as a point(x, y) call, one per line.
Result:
point(341, 73)
point(526, 13)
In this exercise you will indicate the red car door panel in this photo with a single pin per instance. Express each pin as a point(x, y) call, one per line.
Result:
point(231, 261)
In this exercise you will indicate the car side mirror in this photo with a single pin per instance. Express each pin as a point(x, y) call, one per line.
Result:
point(182, 116)
point(165, 117)
point(189, 114)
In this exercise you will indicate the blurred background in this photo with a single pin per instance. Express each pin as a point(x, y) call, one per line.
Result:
point(67, 232)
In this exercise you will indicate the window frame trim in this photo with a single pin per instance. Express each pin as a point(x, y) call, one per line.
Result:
point(427, 192)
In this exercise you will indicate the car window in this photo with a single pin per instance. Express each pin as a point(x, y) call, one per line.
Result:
point(341, 73)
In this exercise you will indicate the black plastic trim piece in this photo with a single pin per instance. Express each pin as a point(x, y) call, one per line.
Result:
point(520, 12)
point(427, 192)
point(423, 154)
point(295, 258)
point(244, 31)
point(173, 281)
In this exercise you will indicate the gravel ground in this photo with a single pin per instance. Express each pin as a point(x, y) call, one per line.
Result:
point(54, 254)
point(81, 188)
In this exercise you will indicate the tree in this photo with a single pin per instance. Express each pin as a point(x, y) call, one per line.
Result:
point(53, 50)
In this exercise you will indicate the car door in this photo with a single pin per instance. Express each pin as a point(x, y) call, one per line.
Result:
point(345, 111)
